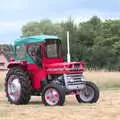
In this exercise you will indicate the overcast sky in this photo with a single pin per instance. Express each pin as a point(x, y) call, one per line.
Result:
point(15, 13)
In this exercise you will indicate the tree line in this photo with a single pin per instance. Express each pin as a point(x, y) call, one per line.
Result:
point(95, 42)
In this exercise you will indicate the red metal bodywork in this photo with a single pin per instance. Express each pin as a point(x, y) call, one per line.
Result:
point(50, 66)
point(39, 74)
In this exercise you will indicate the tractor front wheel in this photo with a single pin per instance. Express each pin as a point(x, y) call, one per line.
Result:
point(53, 95)
point(18, 86)
point(89, 94)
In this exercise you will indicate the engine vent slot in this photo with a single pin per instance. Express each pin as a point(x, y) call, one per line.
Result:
point(74, 67)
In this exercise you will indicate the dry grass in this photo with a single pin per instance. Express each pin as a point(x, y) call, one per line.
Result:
point(104, 80)
point(107, 108)
point(2, 79)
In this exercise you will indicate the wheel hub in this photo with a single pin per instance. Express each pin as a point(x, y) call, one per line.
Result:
point(87, 94)
point(14, 88)
point(52, 96)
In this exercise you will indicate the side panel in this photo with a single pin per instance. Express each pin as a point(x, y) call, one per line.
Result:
point(65, 68)
point(52, 60)
point(38, 75)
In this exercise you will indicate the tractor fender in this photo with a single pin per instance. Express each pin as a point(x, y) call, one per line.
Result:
point(15, 64)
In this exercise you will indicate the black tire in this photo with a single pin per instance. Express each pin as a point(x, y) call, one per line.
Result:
point(94, 99)
point(25, 85)
point(59, 90)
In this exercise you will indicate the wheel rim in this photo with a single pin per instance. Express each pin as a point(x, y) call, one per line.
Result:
point(14, 88)
point(87, 94)
point(52, 96)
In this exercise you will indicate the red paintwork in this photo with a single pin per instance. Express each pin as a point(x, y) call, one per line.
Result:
point(49, 66)
point(52, 60)
point(63, 68)
point(39, 74)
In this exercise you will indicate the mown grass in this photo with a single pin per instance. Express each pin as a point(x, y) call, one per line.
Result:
point(2, 80)
point(104, 80)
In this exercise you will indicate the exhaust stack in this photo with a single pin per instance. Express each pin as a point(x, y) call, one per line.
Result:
point(68, 47)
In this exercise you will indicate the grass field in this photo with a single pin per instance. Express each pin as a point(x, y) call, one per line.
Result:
point(104, 80)
point(107, 108)
point(2, 79)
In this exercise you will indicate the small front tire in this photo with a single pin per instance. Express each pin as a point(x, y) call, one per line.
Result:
point(89, 94)
point(53, 95)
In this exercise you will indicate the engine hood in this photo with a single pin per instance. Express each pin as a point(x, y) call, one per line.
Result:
point(65, 67)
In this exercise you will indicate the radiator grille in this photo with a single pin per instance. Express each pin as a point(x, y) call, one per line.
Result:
point(74, 81)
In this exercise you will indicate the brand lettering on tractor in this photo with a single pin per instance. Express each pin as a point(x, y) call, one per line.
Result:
point(55, 69)
point(61, 69)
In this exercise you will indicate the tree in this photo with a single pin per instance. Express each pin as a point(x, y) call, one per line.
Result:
point(42, 27)
point(94, 41)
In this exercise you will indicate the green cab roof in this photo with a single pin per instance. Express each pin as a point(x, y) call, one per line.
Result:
point(33, 39)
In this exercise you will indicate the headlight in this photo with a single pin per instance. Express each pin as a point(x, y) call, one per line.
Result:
point(70, 79)
point(83, 78)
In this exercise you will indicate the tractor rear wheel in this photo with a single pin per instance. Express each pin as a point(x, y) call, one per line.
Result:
point(89, 94)
point(53, 95)
point(18, 86)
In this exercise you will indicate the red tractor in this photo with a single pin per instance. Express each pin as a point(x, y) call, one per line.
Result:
point(38, 69)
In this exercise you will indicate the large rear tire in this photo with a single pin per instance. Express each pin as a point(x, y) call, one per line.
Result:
point(18, 86)
point(53, 95)
point(89, 94)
